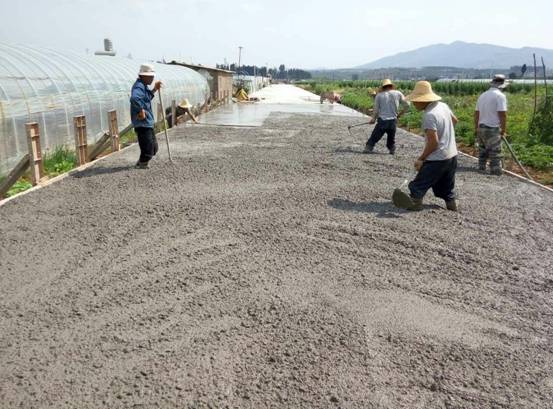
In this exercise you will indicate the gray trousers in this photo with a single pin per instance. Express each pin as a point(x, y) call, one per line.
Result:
point(489, 143)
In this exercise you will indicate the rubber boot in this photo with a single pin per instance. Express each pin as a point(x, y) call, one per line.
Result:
point(451, 205)
point(368, 148)
point(496, 171)
point(141, 165)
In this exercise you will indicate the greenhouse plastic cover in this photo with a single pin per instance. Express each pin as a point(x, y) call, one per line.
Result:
point(51, 87)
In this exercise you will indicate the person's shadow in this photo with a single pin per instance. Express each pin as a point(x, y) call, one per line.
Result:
point(359, 151)
point(99, 170)
point(384, 210)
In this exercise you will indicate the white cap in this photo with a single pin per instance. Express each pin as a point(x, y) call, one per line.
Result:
point(147, 70)
point(498, 81)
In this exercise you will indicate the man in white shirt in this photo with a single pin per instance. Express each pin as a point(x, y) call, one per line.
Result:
point(490, 122)
point(385, 115)
point(437, 163)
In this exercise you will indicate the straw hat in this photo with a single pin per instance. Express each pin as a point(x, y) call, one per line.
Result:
point(387, 82)
point(423, 93)
point(185, 104)
point(147, 70)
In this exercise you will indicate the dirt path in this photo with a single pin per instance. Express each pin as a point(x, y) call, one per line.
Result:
point(267, 268)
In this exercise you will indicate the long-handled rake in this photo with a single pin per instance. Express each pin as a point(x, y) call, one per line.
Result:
point(356, 125)
point(515, 158)
point(165, 126)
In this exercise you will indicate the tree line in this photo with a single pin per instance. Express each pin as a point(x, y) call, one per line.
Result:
point(278, 73)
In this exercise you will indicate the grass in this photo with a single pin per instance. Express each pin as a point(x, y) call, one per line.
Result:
point(56, 162)
point(534, 150)
point(127, 138)
point(20, 186)
point(61, 160)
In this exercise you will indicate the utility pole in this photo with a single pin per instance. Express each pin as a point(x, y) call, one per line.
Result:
point(239, 57)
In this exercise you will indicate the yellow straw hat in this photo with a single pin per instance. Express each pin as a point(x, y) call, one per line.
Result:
point(423, 93)
point(387, 82)
point(185, 104)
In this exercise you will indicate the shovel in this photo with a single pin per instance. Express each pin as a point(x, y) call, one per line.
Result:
point(399, 197)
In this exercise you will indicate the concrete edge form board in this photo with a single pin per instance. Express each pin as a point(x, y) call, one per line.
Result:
point(50, 87)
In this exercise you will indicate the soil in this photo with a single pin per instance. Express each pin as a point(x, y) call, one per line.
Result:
point(267, 267)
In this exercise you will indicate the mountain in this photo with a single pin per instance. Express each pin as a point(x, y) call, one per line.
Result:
point(463, 55)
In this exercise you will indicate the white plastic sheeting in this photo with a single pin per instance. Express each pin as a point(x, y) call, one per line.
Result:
point(51, 87)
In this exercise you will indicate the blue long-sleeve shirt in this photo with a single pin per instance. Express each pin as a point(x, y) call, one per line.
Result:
point(141, 99)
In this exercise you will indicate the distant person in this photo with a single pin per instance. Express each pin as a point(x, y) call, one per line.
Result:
point(385, 115)
point(437, 164)
point(183, 108)
point(490, 123)
point(142, 116)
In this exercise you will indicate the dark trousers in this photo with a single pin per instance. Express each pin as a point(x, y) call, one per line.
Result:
point(438, 175)
point(382, 127)
point(147, 142)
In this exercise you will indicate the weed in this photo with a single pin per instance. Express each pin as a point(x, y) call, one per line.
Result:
point(59, 161)
point(19, 186)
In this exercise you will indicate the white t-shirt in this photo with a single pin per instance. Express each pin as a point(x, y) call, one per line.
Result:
point(489, 104)
point(386, 104)
point(438, 117)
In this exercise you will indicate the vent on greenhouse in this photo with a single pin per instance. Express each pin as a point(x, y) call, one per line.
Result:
point(108, 48)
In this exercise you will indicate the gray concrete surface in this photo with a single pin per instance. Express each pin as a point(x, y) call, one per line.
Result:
point(268, 268)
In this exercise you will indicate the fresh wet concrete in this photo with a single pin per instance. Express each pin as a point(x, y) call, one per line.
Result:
point(267, 267)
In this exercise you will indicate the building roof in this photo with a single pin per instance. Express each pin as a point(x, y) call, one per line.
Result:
point(199, 66)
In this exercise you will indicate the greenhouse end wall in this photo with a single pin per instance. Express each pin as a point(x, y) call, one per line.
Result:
point(51, 87)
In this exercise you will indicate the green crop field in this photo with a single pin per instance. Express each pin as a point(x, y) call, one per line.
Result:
point(533, 144)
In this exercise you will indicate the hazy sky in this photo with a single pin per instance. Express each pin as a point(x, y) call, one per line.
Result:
point(299, 33)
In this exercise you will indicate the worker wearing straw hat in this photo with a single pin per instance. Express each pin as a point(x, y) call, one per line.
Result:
point(385, 115)
point(437, 163)
point(142, 116)
point(183, 108)
point(490, 121)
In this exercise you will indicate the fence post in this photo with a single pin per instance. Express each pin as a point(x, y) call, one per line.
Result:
point(81, 147)
point(173, 113)
point(35, 152)
point(114, 131)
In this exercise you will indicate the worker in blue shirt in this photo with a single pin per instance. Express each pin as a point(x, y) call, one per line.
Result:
point(142, 116)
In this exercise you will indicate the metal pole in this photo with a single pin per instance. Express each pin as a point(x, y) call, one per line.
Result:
point(535, 87)
point(544, 77)
point(239, 57)
point(165, 126)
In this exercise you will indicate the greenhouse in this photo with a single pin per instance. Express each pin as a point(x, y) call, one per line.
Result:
point(51, 87)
